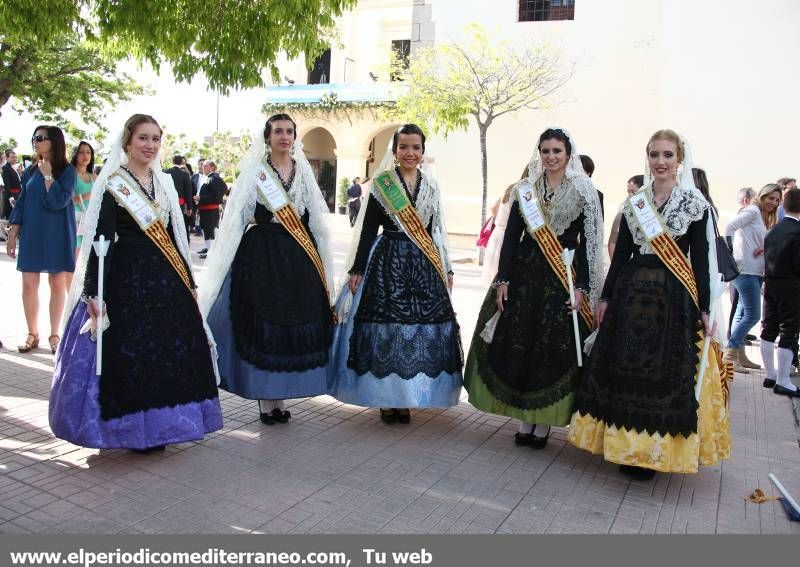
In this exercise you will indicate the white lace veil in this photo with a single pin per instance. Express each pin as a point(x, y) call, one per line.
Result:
point(429, 205)
point(165, 194)
point(685, 183)
point(593, 218)
point(239, 210)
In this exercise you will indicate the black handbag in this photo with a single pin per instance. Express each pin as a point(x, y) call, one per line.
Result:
point(725, 263)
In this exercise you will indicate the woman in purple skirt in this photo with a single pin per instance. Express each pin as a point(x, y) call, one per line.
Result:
point(158, 382)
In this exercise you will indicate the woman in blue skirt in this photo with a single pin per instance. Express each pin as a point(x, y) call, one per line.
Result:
point(399, 346)
point(266, 291)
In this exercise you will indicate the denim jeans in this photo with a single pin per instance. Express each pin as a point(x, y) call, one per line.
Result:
point(748, 311)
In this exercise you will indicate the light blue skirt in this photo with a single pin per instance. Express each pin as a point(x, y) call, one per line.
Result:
point(390, 391)
point(239, 377)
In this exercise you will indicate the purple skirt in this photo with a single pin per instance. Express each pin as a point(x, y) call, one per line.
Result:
point(75, 407)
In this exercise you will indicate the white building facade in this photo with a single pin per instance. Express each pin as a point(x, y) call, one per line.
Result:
point(721, 72)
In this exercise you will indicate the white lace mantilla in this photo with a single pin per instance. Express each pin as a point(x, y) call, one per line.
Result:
point(578, 195)
point(681, 209)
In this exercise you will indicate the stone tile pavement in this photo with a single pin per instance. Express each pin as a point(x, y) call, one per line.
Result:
point(337, 469)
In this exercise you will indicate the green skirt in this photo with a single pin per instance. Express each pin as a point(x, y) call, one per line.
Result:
point(530, 369)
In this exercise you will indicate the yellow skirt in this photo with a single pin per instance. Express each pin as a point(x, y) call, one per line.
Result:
point(679, 454)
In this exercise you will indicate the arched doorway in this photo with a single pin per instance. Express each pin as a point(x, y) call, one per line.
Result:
point(320, 149)
point(377, 148)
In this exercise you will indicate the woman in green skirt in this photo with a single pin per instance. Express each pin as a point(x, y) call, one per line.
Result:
point(523, 361)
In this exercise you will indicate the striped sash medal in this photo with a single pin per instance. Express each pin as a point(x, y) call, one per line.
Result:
point(278, 203)
point(130, 197)
point(537, 226)
point(405, 215)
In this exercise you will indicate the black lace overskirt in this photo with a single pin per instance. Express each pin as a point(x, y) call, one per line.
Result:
point(531, 362)
point(279, 309)
point(641, 374)
point(155, 353)
point(405, 323)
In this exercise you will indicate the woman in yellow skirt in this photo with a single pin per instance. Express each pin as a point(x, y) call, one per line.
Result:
point(637, 402)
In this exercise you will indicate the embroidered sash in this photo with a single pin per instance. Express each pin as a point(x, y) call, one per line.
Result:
point(661, 241)
point(531, 211)
point(131, 198)
point(404, 213)
point(277, 201)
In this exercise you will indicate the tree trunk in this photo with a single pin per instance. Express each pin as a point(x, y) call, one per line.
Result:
point(485, 176)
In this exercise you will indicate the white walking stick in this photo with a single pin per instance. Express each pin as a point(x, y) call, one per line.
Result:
point(101, 249)
point(716, 287)
point(566, 256)
point(785, 493)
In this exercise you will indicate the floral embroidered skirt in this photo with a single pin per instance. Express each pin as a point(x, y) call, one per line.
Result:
point(157, 384)
point(636, 404)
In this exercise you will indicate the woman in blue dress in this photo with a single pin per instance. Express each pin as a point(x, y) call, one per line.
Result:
point(399, 347)
point(44, 222)
point(266, 291)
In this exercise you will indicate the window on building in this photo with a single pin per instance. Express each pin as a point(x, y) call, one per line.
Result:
point(545, 10)
point(320, 73)
point(401, 50)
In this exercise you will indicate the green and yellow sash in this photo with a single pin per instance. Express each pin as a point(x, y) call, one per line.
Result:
point(130, 197)
point(661, 241)
point(537, 226)
point(404, 213)
point(277, 201)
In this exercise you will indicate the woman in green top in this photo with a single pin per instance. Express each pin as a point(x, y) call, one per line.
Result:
point(83, 160)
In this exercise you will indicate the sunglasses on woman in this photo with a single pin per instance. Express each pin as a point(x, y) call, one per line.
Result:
point(39, 138)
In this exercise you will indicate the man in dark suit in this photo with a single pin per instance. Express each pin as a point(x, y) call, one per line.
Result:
point(198, 180)
point(183, 185)
point(11, 182)
point(208, 202)
point(354, 200)
point(781, 292)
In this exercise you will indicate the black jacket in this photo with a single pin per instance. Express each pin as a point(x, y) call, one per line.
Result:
point(183, 185)
point(782, 251)
point(213, 191)
point(11, 180)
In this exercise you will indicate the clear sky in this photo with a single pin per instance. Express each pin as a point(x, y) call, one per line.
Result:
point(188, 108)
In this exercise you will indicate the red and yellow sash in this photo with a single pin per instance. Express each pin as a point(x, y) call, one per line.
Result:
point(661, 241)
point(404, 213)
point(531, 211)
point(146, 214)
point(277, 201)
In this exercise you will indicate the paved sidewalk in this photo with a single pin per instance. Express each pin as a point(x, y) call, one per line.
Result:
point(338, 469)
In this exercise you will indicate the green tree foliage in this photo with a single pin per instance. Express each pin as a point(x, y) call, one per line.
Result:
point(480, 79)
point(61, 55)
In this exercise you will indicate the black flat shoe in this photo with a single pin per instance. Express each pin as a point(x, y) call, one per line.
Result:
point(403, 416)
point(266, 418)
point(539, 442)
point(637, 473)
point(388, 416)
point(768, 383)
point(522, 439)
point(149, 450)
point(778, 389)
point(281, 416)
